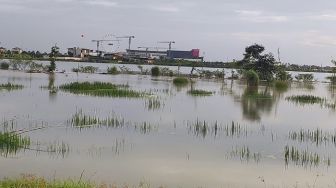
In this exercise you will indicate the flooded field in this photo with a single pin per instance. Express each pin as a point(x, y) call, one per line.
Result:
point(167, 135)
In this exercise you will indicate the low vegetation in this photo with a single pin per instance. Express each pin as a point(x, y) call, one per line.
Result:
point(112, 70)
point(4, 66)
point(281, 85)
point(86, 69)
point(198, 92)
point(306, 99)
point(30, 181)
point(10, 86)
point(305, 77)
point(180, 81)
point(11, 142)
point(304, 158)
point(101, 89)
point(252, 78)
point(155, 71)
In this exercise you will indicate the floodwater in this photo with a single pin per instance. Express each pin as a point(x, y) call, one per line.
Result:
point(234, 138)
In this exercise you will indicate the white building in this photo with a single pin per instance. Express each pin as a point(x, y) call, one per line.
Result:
point(79, 52)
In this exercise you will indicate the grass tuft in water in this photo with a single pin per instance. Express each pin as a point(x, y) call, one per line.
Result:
point(316, 136)
point(306, 99)
point(11, 143)
point(180, 81)
point(198, 92)
point(203, 128)
point(303, 158)
point(80, 120)
point(244, 154)
point(9, 86)
point(101, 89)
point(154, 104)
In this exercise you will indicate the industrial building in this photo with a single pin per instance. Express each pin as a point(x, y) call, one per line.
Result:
point(192, 55)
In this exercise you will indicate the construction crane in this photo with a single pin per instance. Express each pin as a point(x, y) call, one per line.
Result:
point(129, 40)
point(169, 46)
point(99, 42)
point(169, 43)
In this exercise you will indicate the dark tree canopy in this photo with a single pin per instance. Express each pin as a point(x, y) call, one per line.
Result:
point(263, 64)
point(52, 57)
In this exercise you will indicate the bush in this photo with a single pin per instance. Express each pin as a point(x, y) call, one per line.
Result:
point(252, 78)
point(4, 66)
point(180, 81)
point(281, 85)
point(112, 70)
point(155, 71)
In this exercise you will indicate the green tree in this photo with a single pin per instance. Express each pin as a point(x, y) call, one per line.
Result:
point(263, 64)
point(52, 58)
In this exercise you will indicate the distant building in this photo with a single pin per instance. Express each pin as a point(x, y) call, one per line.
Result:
point(79, 52)
point(193, 55)
point(146, 54)
point(16, 50)
point(3, 50)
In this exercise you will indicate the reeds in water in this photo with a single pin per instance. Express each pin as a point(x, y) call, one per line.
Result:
point(316, 136)
point(303, 158)
point(244, 154)
point(154, 104)
point(80, 120)
point(11, 143)
point(203, 128)
point(306, 99)
point(9, 86)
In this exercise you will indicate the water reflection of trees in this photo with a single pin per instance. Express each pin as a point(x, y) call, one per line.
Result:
point(254, 101)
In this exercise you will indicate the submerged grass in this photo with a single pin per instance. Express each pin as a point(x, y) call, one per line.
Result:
point(316, 136)
point(306, 99)
point(203, 128)
point(154, 104)
point(303, 158)
point(244, 154)
point(198, 92)
point(81, 120)
point(9, 86)
point(11, 143)
point(101, 89)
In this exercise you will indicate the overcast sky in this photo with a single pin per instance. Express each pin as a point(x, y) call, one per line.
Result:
point(304, 30)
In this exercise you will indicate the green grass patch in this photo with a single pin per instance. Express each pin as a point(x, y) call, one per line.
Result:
point(29, 181)
point(10, 86)
point(198, 92)
point(306, 99)
point(180, 81)
point(101, 89)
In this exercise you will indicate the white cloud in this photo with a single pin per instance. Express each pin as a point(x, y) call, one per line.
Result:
point(325, 17)
point(259, 16)
point(165, 8)
point(105, 3)
point(318, 39)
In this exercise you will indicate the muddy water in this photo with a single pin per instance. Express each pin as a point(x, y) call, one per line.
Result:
point(190, 141)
